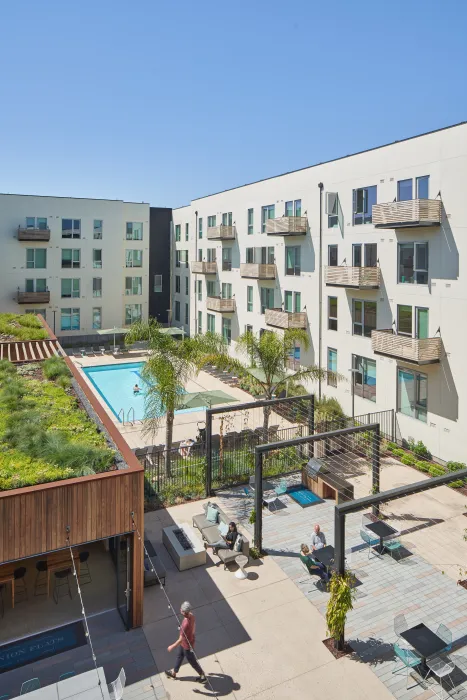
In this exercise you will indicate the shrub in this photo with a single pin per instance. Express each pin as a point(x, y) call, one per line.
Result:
point(399, 453)
point(455, 466)
point(6, 368)
point(420, 450)
point(422, 466)
point(409, 460)
point(435, 470)
point(22, 327)
point(252, 518)
point(457, 484)
point(391, 446)
point(64, 382)
point(55, 367)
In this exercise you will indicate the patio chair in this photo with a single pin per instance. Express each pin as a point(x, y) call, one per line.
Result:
point(446, 635)
point(117, 686)
point(269, 501)
point(4, 697)
point(282, 488)
point(400, 625)
point(77, 354)
point(370, 540)
point(91, 351)
point(392, 544)
point(410, 659)
point(441, 666)
point(29, 686)
point(247, 492)
point(64, 676)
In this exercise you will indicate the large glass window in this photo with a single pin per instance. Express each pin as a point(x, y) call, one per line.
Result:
point(36, 285)
point(177, 233)
point(210, 288)
point(36, 312)
point(332, 313)
point(133, 313)
point(177, 311)
point(38, 223)
point(364, 255)
point(267, 298)
point(364, 378)
point(292, 302)
point(97, 318)
point(134, 231)
point(292, 260)
point(404, 190)
point(332, 256)
point(226, 290)
point(97, 258)
point(332, 367)
point(200, 290)
point(422, 186)
point(288, 209)
point(412, 393)
point(97, 287)
point(267, 212)
point(404, 320)
point(227, 330)
point(363, 200)
point(177, 284)
point(36, 258)
point(71, 257)
point(211, 323)
point(249, 298)
point(70, 320)
point(134, 258)
point(226, 259)
point(97, 228)
point(227, 219)
point(250, 221)
point(187, 231)
point(71, 288)
point(363, 317)
point(413, 263)
point(211, 255)
point(71, 228)
point(297, 207)
point(200, 227)
point(158, 283)
point(212, 221)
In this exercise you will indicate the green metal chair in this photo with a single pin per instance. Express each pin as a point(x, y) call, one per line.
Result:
point(410, 659)
point(370, 540)
point(64, 676)
point(392, 543)
point(282, 488)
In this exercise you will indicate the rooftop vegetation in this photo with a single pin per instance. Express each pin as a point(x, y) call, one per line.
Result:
point(21, 327)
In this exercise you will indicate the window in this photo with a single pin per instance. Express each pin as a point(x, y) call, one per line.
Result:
point(363, 200)
point(405, 318)
point(97, 287)
point(288, 209)
point(412, 393)
point(177, 311)
point(134, 231)
point(36, 312)
point(187, 232)
point(157, 284)
point(267, 255)
point(210, 288)
point(37, 223)
point(177, 258)
point(134, 258)
point(177, 233)
point(200, 255)
point(292, 260)
point(71, 257)
point(187, 288)
point(97, 258)
point(250, 222)
point(332, 256)
point(200, 290)
point(211, 254)
point(364, 378)
point(200, 320)
point(405, 189)
point(370, 255)
point(249, 298)
point(267, 212)
point(422, 186)
point(70, 320)
point(97, 228)
point(177, 284)
point(97, 318)
point(227, 330)
point(187, 314)
point(71, 228)
point(248, 328)
point(226, 290)
point(211, 323)
point(36, 258)
point(413, 263)
point(211, 221)
point(133, 313)
point(200, 227)
point(267, 298)
point(227, 219)
point(332, 367)
point(332, 313)
point(293, 302)
point(36, 285)
point(133, 286)
point(250, 255)
point(71, 288)
point(297, 207)
point(226, 259)
point(363, 317)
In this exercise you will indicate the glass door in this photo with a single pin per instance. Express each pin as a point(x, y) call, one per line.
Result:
point(124, 597)
point(421, 330)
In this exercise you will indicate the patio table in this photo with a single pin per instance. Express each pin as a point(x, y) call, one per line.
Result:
point(382, 530)
point(325, 555)
point(424, 641)
point(83, 686)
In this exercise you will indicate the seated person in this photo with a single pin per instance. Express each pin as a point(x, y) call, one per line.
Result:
point(314, 567)
point(226, 542)
point(318, 540)
point(136, 389)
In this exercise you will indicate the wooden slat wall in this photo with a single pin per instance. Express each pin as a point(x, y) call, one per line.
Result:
point(285, 319)
point(204, 268)
point(353, 276)
point(33, 234)
point(226, 233)
point(258, 271)
point(419, 351)
point(413, 210)
point(222, 305)
point(287, 224)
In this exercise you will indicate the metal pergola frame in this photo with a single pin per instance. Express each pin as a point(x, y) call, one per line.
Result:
point(210, 412)
point(260, 450)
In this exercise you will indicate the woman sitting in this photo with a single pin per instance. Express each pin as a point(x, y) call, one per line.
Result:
point(314, 567)
point(226, 542)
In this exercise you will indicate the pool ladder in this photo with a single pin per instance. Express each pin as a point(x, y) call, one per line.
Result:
point(122, 414)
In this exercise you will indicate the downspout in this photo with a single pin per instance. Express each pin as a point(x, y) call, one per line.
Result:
point(320, 293)
point(196, 276)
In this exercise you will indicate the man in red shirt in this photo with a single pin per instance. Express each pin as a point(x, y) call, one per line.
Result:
point(185, 644)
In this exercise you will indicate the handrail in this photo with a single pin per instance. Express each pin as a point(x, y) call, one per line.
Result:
point(128, 415)
point(122, 411)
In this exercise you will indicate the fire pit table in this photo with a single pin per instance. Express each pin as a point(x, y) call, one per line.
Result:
point(184, 546)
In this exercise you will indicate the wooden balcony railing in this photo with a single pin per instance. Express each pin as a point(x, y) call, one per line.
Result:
point(33, 234)
point(204, 268)
point(285, 319)
point(221, 233)
point(258, 271)
point(287, 226)
point(420, 351)
point(33, 297)
point(355, 277)
point(413, 213)
point(226, 306)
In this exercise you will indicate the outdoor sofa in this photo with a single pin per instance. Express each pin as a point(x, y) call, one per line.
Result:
point(210, 534)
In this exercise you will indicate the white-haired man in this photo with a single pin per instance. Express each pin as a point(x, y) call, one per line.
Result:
point(185, 644)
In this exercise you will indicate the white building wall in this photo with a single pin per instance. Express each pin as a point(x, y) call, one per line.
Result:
point(443, 156)
point(115, 214)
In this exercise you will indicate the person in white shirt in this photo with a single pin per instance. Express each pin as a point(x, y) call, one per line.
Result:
point(318, 540)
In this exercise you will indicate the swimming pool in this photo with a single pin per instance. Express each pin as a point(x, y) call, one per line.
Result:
point(303, 496)
point(115, 384)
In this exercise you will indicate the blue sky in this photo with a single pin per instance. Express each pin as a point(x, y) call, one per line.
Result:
point(167, 101)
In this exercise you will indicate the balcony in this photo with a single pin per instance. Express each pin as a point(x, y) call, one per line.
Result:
point(221, 233)
point(33, 234)
point(285, 319)
point(353, 277)
point(258, 271)
point(287, 226)
point(223, 306)
point(33, 297)
point(418, 351)
point(204, 268)
point(414, 213)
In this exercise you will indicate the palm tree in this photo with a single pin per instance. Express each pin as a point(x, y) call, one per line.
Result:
point(267, 354)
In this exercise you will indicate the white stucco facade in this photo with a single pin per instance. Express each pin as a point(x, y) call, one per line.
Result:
point(437, 296)
point(83, 305)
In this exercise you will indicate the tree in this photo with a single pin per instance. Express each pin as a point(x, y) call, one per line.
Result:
point(267, 353)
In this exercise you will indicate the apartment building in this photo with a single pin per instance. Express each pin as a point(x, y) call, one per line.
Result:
point(367, 253)
point(82, 263)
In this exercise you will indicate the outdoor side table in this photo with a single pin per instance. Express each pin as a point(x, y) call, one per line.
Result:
point(382, 530)
point(242, 561)
point(424, 641)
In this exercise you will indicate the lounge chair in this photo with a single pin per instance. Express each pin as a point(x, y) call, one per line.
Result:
point(91, 351)
point(77, 353)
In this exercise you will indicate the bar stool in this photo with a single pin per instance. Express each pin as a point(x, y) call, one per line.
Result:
point(84, 571)
point(20, 584)
point(41, 567)
point(62, 583)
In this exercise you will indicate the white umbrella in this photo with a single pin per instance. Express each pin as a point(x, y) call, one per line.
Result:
point(113, 331)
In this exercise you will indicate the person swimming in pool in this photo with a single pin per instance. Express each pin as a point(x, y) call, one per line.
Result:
point(136, 389)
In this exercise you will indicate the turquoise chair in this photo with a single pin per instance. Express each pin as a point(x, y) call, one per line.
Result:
point(370, 541)
point(392, 545)
point(282, 488)
point(247, 492)
point(29, 686)
point(410, 659)
point(445, 634)
point(4, 697)
point(64, 676)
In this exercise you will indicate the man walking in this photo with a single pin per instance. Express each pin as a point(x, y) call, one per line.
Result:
point(185, 644)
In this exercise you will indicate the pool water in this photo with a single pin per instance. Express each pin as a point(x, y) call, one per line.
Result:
point(303, 496)
point(115, 384)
